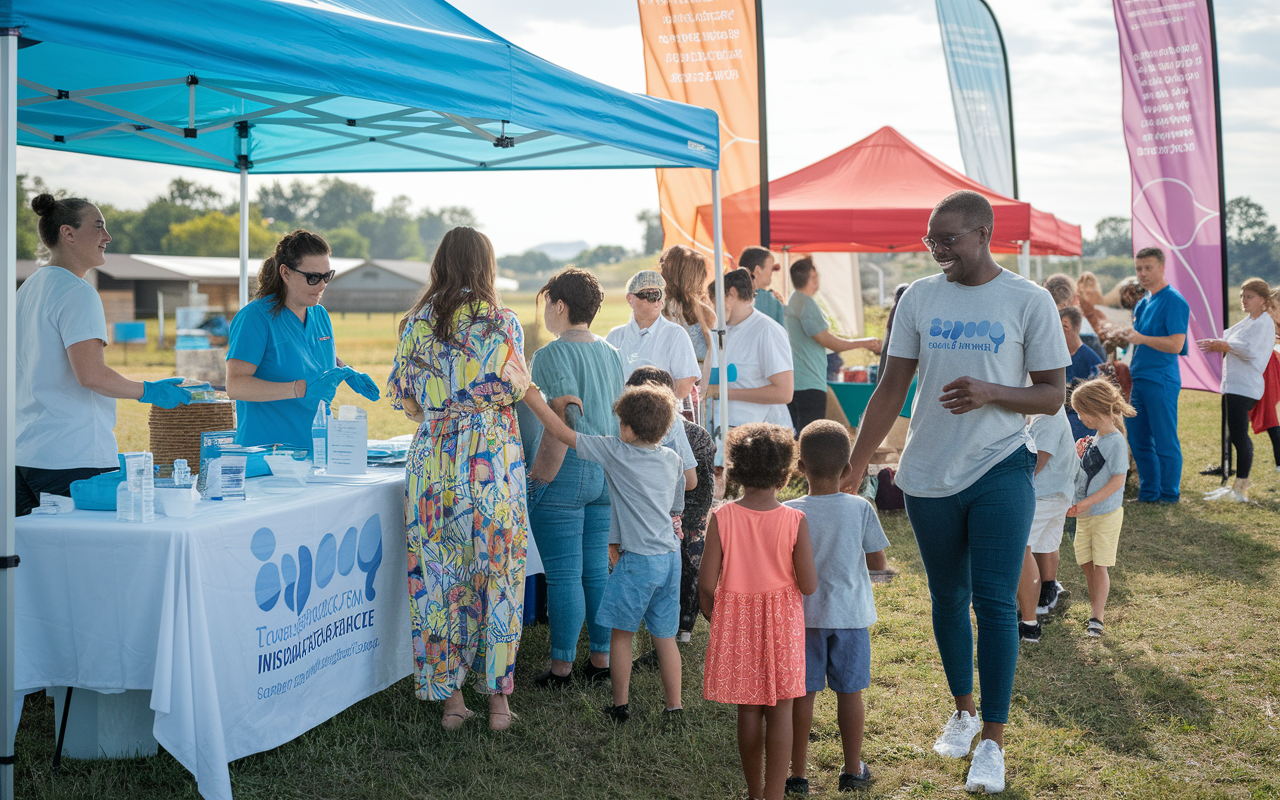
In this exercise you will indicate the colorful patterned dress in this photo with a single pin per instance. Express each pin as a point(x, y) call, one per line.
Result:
point(464, 499)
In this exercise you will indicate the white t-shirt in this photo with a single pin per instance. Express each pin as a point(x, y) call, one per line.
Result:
point(997, 332)
point(61, 424)
point(1251, 342)
point(758, 348)
point(1052, 435)
point(663, 344)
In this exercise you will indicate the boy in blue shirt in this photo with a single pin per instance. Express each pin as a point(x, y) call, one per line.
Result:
point(646, 490)
point(847, 542)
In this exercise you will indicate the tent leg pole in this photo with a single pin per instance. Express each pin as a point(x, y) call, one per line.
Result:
point(8, 381)
point(1024, 260)
point(722, 415)
point(244, 236)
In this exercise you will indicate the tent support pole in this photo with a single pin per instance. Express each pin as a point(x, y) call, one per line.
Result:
point(8, 382)
point(242, 131)
point(244, 236)
point(721, 322)
point(1024, 260)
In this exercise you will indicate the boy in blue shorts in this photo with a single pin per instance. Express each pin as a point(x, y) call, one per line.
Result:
point(646, 489)
point(847, 542)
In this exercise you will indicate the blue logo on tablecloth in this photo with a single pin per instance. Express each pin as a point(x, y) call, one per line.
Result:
point(950, 331)
point(293, 577)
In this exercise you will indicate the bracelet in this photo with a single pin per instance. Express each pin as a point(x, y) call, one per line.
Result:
point(295, 390)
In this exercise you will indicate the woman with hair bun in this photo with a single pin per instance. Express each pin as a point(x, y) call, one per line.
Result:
point(66, 394)
point(282, 362)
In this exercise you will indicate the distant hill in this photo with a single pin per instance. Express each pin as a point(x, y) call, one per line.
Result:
point(561, 251)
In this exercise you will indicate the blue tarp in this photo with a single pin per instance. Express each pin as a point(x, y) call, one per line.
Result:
point(353, 86)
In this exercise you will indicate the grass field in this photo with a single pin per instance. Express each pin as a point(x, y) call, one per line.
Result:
point(1180, 700)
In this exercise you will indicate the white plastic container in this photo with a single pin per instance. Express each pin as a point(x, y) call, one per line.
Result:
point(177, 502)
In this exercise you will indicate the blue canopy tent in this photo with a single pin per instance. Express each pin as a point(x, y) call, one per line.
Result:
point(294, 86)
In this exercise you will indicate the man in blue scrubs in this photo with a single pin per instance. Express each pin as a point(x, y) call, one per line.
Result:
point(1159, 334)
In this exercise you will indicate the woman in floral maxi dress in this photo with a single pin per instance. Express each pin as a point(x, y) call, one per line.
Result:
point(458, 372)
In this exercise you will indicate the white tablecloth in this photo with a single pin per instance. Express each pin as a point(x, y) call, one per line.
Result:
point(251, 622)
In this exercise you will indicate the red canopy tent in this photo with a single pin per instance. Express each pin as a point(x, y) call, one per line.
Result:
point(875, 196)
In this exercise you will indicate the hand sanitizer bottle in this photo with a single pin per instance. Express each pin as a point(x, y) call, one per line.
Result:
point(319, 435)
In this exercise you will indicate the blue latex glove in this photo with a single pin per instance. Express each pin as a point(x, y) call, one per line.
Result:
point(166, 393)
point(321, 388)
point(363, 385)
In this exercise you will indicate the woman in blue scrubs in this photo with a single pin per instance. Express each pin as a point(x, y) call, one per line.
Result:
point(282, 361)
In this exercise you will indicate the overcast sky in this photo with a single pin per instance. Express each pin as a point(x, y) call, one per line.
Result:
point(837, 71)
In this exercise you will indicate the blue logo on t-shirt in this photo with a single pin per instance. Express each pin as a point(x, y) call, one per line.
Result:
point(951, 331)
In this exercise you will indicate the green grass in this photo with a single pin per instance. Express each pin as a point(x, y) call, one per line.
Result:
point(1180, 700)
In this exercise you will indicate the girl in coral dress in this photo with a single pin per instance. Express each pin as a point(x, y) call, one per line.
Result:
point(757, 563)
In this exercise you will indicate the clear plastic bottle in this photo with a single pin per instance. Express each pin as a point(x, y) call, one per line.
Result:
point(135, 497)
point(320, 435)
point(181, 473)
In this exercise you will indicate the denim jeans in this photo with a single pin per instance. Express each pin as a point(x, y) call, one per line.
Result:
point(972, 545)
point(569, 518)
point(1153, 438)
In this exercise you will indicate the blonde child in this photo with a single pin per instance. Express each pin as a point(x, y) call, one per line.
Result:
point(1099, 495)
point(757, 563)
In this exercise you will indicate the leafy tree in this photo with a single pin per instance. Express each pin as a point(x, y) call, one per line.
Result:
point(338, 203)
point(147, 232)
point(651, 242)
point(398, 236)
point(27, 221)
point(287, 208)
point(347, 243)
point(527, 263)
point(1113, 237)
point(1252, 242)
point(216, 234)
point(433, 225)
point(603, 254)
point(194, 195)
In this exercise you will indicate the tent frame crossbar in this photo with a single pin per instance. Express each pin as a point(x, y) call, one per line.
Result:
point(394, 123)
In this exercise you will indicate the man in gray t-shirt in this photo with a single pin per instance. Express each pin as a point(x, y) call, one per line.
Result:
point(989, 350)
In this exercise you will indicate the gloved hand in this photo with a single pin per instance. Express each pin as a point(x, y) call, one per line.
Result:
point(321, 388)
point(363, 385)
point(166, 393)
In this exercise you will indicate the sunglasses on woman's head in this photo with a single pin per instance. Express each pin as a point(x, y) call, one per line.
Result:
point(649, 295)
point(313, 277)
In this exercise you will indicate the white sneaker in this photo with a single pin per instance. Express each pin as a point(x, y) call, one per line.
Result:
point(986, 773)
point(1218, 494)
point(957, 735)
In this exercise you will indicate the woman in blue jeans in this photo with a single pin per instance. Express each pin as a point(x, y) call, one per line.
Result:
point(568, 498)
point(989, 350)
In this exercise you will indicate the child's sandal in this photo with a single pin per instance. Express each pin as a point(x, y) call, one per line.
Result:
point(1094, 627)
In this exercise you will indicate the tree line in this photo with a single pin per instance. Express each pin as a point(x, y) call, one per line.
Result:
point(1253, 244)
point(194, 219)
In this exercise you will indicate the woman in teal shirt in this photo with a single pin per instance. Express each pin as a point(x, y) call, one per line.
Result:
point(568, 499)
point(282, 361)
